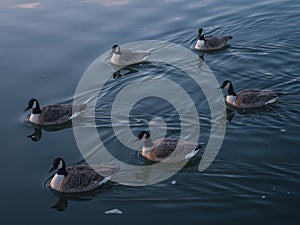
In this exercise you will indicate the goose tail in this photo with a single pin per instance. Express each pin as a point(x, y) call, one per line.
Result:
point(228, 38)
point(74, 115)
point(199, 146)
point(88, 100)
point(191, 154)
point(194, 152)
point(271, 101)
point(106, 179)
point(282, 92)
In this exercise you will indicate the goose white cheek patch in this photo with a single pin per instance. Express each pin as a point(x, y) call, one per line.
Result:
point(227, 86)
point(60, 165)
point(34, 105)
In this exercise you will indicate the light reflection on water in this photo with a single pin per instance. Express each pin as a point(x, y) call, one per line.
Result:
point(108, 2)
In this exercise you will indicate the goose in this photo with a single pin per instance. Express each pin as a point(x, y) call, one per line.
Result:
point(162, 148)
point(127, 57)
point(210, 43)
point(52, 114)
point(79, 178)
point(249, 98)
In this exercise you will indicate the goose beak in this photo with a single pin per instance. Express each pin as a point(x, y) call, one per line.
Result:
point(28, 107)
point(51, 169)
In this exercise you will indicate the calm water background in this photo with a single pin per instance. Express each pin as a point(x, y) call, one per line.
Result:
point(46, 46)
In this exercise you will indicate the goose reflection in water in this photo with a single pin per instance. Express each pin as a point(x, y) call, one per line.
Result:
point(36, 135)
point(37, 130)
point(63, 202)
point(202, 53)
point(229, 114)
point(232, 111)
point(124, 72)
point(266, 108)
point(63, 199)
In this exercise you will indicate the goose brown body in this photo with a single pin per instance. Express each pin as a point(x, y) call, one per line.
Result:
point(56, 114)
point(252, 98)
point(248, 98)
point(168, 149)
point(211, 43)
point(215, 42)
point(79, 178)
point(84, 178)
point(127, 57)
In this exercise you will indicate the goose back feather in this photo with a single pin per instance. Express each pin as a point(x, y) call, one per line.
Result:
point(248, 98)
point(127, 57)
point(58, 114)
point(211, 43)
point(251, 98)
point(79, 178)
point(215, 42)
point(83, 178)
point(163, 149)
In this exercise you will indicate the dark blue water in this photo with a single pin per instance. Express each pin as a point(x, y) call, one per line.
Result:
point(46, 46)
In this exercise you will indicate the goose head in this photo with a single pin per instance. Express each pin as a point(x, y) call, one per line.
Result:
point(147, 142)
point(34, 105)
point(59, 165)
point(229, 87)
point(143, 135)
point(116, 49)
point(226, 84)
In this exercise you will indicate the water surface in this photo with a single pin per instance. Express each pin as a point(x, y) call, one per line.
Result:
point(46, 46)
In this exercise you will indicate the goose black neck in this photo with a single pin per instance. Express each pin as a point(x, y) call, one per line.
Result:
point(62, 171)
point(201, 37)
point(230, 91)
point(37, 109)
point(148, 142)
